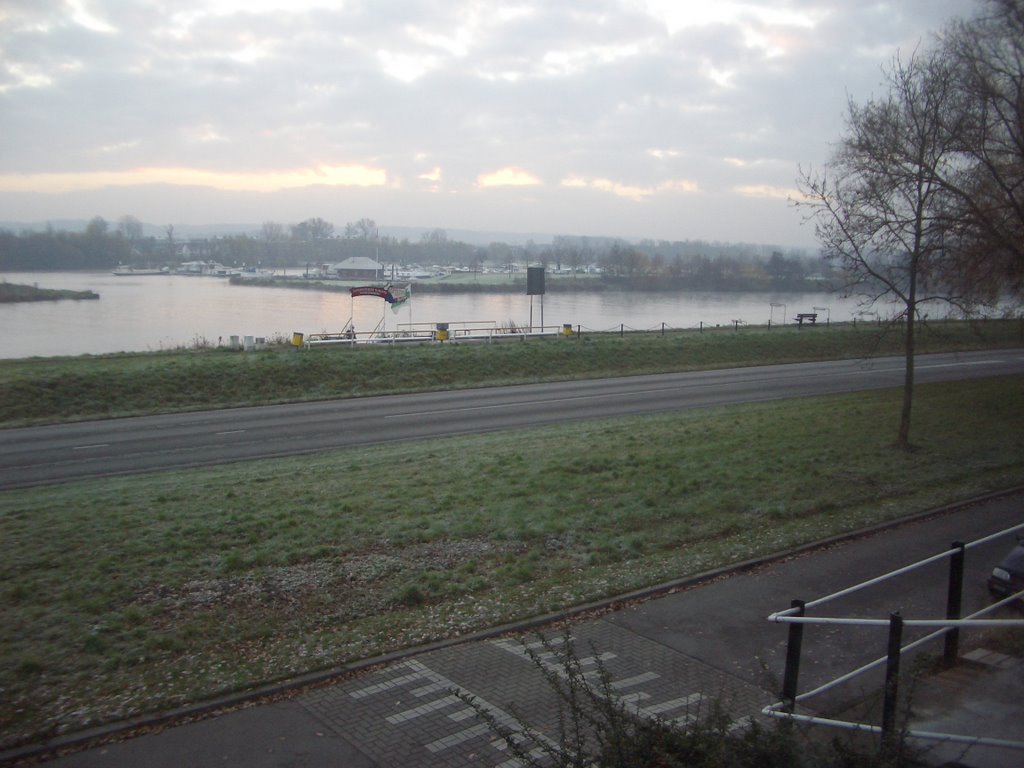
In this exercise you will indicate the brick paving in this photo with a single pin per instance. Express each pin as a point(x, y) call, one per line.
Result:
point(418, 711)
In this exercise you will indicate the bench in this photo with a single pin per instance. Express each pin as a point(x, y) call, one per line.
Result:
point(810, 317)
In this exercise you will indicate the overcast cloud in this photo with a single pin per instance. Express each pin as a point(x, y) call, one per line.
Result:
point(634, 118)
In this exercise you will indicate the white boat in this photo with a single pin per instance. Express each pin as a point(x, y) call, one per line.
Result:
point(206, 268)
point(124, 270)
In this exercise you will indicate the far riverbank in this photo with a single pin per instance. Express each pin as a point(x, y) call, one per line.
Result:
point(515, 282)
point(15, 292)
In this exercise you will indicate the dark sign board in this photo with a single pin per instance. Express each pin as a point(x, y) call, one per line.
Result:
point(535, 281)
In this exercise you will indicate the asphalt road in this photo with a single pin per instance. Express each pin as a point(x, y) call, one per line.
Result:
point(61, 453)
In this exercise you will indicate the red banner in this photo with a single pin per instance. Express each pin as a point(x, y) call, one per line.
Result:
point(372, 290)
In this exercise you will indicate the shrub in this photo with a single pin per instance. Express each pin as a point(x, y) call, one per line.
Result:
point(598, 730)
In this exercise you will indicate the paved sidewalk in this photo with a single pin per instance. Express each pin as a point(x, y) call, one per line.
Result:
point(671, 656)
point(983, 696)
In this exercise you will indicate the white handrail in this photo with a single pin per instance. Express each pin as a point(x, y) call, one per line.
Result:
point(781, 615)
point(773, 711)
point(972, 621)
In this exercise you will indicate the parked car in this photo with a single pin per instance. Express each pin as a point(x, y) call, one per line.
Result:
point(1008, 577)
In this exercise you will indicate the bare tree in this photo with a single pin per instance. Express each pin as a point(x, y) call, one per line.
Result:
point(97, 228)
point(312, 229)
point(171, 247)
point(985, 57)
point(879, 209)
point(364, 228)
point(130, 228)
point(434, 237)
point(273, 242)
point(272, 232)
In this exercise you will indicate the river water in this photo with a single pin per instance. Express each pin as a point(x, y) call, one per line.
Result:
point(155, 312)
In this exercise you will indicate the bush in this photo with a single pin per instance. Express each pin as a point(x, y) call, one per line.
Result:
point(598, 730)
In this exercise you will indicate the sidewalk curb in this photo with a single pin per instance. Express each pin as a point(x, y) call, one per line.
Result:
point(295, 685)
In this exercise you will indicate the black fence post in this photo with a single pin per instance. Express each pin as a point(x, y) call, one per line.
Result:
point(953, 603)
point(793, 647)
point(892, 682)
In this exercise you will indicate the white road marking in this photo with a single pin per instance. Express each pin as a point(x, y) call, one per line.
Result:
point(633, 698)
point(90, 447)
point(668, 706)
point(546, 401)
point(389, 685)
point(920, 367)
point(424, 709)
point(956, 365)
point(432, 688)
point(552, 663)
point(629, 682)
point(436, 683)
point(448, 742)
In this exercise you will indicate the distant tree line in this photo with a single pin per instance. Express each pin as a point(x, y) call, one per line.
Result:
point(95, 248)
point(310, 243)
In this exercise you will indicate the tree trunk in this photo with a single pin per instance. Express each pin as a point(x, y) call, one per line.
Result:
point(908, 375)
point(908, 387)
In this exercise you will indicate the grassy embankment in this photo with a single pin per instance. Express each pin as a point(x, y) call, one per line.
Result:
point(13, 292)
point(38, 390)
point(127, 595)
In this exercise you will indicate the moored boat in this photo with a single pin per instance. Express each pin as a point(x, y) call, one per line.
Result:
point(127, 269)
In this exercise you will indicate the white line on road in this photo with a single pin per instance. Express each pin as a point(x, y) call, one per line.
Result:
point(919, 367)
point(672, 388)
point(958, 365)
point(520, 404)
point(89, 447)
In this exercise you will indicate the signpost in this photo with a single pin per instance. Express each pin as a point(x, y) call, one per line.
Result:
point(535, 287)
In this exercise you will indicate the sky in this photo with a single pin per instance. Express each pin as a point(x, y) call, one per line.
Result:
point(662, 119)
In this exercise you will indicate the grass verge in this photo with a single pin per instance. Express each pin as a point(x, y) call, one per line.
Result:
point(127, 595)
point(41, 390)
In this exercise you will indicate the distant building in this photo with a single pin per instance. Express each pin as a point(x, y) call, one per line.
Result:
point(211, 268)
point(355, 268)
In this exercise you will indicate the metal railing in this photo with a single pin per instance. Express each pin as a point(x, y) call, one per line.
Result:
point(479, 330)
point(948, 628)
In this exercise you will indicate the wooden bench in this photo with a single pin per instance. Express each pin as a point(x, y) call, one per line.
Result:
point(810, 317)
